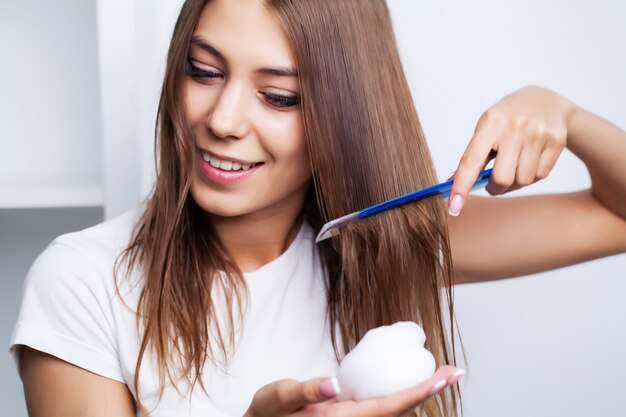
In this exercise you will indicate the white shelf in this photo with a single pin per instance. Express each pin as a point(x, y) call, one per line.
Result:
point(48, 197)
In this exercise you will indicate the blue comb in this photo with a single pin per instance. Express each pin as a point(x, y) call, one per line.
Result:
point(329, 228)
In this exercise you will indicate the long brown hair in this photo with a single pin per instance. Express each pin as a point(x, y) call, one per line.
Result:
point(365, 144)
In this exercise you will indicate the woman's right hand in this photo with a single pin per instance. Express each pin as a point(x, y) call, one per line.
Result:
point(316, 397)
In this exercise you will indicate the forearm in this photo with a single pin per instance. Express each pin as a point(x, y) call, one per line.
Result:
point(602, 147)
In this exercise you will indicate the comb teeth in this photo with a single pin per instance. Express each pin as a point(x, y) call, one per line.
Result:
point(330, 228)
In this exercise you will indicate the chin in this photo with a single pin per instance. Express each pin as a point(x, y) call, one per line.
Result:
point(218, 205)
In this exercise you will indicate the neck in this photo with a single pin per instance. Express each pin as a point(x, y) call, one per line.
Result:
point(257, 239)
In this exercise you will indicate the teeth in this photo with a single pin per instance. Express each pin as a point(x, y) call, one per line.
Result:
point(214, 162)
point(225, 165)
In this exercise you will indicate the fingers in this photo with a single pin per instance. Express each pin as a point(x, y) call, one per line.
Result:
point(412, 397)
point(504, 168)
point(548, 160)
point(525, 159)
point(401, 401)
point(528, 162)
point(292, 395)
point(527, 149)
point(287, 396)
point(473, 160)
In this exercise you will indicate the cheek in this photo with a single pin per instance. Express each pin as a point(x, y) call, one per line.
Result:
point(197, 101)
point(285, 136)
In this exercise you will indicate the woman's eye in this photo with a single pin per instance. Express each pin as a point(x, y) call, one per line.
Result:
point(282, 101)
point(196, 72)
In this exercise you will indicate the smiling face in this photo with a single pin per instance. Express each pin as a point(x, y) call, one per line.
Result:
point(242, 102)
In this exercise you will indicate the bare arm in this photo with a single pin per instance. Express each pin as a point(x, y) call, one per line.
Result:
point(505, 237)
point(602, 147)
point(55, 388)
point(512, 236)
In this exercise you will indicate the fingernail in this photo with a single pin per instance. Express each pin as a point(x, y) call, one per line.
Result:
point(456, 376)
point(451, 175)
point(438, 387)
point(456, 204)
point(329, 388)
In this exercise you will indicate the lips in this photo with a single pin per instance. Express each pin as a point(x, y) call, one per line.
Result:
point(221, 170)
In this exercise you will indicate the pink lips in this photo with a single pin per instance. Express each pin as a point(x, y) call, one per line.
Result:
point(225, 177)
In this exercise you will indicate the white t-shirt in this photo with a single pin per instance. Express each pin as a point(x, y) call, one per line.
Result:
point(71, 310)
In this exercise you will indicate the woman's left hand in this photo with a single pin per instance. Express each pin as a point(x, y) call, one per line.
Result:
point(525, 132)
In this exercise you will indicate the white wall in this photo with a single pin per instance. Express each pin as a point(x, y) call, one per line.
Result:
point(551, 344)
point(24, 234)
point(49, 103)
point(133, 37)
point(50, 147)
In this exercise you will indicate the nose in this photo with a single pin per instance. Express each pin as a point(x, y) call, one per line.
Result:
point(229, 117)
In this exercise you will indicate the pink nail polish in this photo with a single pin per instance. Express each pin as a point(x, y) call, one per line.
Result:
point(456, 376)
point(329, 388)
point(438, 387)
point(456, 204)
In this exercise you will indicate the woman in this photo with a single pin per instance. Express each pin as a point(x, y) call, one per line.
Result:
point(275, 117)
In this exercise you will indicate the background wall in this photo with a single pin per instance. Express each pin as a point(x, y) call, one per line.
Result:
point(24, 233)
point(551, 344)
point(78, 90)
point(49, 104)
point(50, 146)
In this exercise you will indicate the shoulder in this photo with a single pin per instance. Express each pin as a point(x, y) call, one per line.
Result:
point(70, 308)
point(80, 263)
point(100, 242)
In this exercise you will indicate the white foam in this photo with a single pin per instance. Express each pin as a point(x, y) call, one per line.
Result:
point(387, 359)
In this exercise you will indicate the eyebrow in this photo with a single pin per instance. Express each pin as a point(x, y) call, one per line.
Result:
point(284, 72)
